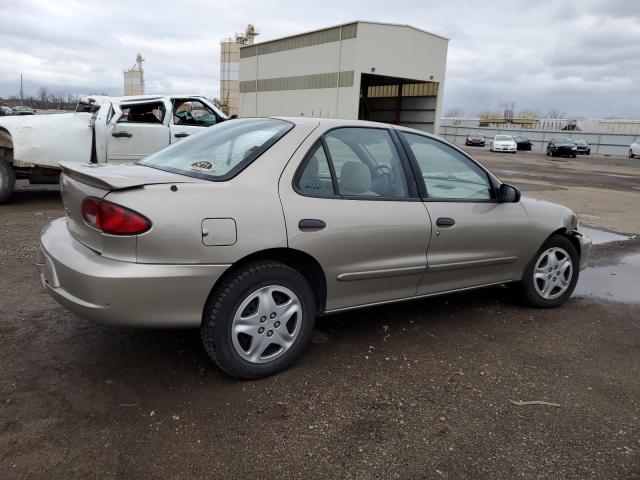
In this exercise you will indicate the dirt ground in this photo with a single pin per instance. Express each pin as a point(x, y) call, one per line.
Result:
point(420, 390)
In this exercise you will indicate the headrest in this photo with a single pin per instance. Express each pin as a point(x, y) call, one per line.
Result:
point(355, 178)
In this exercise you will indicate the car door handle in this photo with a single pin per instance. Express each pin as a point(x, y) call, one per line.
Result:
point(121, 134)
point(181, 134)
point(445, 222)
point(311, 224)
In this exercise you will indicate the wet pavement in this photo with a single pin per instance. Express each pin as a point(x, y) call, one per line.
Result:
point(600, 237)
point(420, 390)
point(619, 282)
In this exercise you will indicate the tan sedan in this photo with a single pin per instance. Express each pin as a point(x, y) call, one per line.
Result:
point(250, 229)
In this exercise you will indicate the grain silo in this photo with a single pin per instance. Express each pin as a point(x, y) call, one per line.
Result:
point(230, 68)
point(134, 78)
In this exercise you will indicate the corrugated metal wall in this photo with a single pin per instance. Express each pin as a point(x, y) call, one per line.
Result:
point(300, 41)
point(301, 82)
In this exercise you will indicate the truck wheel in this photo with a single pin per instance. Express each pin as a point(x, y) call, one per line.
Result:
point(259, 320)
point(7, 180)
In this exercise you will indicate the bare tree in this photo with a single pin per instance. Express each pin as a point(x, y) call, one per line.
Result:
point(553, 113)
point(43, 94)
point(454, 112)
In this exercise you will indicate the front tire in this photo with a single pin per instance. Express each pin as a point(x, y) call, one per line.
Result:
point(552, 274)
point(631, 155)
point(7, 180)
point(259, 320)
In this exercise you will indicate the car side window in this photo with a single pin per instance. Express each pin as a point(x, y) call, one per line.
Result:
point(143, 113)
point(366, 163)
point(447, 173)
point(315, 179)
point(193, 112)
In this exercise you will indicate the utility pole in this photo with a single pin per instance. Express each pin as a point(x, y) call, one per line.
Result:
point(21, 91)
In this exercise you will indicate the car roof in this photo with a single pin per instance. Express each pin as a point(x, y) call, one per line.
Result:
point(338, 122)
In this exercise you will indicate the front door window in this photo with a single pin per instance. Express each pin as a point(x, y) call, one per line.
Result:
point(447, 173)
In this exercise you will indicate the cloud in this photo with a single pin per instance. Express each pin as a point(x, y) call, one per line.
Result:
point(581, 57)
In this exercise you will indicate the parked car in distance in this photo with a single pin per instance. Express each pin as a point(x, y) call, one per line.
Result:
point(634, 148)
point(523, 143)
point(503, 143)
point(5, 111)
point(562, 147)
point(23, 110)
point(475, 139)
point(251, 228)
point(582, 147)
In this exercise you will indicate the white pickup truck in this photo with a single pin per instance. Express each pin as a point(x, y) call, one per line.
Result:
point(101, 130)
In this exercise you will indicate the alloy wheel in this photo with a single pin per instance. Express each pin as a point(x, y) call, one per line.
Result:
point(266, 324)
point(553, 273)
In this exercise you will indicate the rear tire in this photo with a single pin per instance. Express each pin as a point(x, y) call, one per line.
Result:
point(552, 274)
point(247, 332)
point(7, 179)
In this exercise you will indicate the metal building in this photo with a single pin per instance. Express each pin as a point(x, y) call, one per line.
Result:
point(134, 78)
point(360, 70)
point(230, 68)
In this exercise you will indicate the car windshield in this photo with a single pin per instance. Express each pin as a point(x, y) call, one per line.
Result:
point(504, 138)
point(476, 134)
point(563, 141)
point(221, 151)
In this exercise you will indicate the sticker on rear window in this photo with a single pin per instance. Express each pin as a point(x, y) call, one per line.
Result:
point(201, 166)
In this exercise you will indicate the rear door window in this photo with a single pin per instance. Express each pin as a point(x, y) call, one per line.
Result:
point(314, 178)
point(366, 163)
point(150, 113)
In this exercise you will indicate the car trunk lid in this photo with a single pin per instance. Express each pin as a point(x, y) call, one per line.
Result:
point(80, 181)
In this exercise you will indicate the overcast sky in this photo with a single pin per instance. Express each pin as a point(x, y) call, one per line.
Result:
point(580, 57)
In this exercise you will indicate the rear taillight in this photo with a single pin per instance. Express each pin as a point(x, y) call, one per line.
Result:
point(113, 219)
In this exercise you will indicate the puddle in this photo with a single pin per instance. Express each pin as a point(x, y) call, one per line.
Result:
point(619, 283)
point(599, 237)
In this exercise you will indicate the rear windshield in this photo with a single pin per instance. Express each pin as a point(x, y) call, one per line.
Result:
point(221, 151)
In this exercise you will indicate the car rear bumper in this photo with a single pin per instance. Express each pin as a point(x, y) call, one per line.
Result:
point(113, 292)
point(564, 151)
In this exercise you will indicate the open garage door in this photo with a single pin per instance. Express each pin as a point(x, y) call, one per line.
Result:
point(400, 101)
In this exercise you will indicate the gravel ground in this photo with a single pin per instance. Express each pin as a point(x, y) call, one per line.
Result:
point(418, 390)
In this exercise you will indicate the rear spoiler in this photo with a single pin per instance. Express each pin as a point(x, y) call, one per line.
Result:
point(121, 176)
point(77, 174)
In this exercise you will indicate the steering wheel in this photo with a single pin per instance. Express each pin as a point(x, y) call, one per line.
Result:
point(384, 172)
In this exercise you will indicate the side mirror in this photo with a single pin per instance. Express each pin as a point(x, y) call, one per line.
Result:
point(508, 194)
